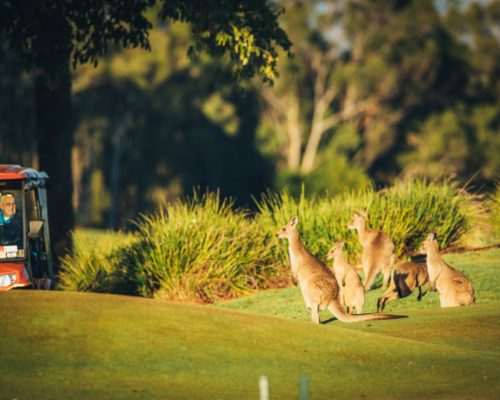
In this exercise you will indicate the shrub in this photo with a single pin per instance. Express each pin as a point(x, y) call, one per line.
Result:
point(201, 250)
point(406, 211)
point(494, 212)
point(98, 262)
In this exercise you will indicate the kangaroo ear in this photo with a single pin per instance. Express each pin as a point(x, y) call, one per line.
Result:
point(431, 236)
point(294, 221)
point(363, 212)
point(341, 244)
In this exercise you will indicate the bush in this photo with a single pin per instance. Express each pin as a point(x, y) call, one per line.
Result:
point(494, 212)
point(406, 211)
point(98, 263)
point(203, 249)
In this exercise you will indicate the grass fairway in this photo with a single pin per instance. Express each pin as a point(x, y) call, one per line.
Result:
point(482, 268)
point(65, 345)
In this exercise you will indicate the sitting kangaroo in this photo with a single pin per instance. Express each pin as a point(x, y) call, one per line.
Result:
point(453, 286)
point(378, 250)
point(352, 293)
point(406, 277)
point(317, 282)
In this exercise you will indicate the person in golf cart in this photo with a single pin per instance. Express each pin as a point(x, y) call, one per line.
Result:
point(10, 226)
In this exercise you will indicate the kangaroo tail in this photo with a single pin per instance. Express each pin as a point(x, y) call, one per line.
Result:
point(341, 315)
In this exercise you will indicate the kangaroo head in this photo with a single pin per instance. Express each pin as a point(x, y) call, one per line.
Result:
point(286, 231)
point(429, 242)
point(335, 251)
point(358, 220)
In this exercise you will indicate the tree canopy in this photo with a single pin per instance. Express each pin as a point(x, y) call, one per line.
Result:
point(51, 35)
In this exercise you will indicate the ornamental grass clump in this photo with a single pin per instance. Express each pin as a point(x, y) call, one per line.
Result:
point(406, 211)
point(493, 206)
point(201, 249)
point(98, 263)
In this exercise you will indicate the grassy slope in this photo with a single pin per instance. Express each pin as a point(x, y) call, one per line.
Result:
point(58, 345)
point(483, 269)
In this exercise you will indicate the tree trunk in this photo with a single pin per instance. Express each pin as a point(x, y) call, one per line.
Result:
point(116, 156)
point(54, 127)
point(294, 135)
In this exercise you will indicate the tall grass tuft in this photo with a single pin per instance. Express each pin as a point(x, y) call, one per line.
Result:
point(493, 205)
point(98, 262)
point(406, 211)
point(201, 250)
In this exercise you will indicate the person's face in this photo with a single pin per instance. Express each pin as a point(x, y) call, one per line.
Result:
point(8, 206)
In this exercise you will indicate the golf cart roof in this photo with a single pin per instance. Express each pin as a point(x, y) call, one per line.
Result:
point(10, 172)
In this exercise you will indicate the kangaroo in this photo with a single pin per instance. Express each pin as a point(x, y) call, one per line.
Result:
point(453, 286)
point(378, 250)
point(406, 277)
point(352, 293)
point(317, 282)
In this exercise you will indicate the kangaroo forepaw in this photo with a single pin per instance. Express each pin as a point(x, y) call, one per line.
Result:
point(380, 305)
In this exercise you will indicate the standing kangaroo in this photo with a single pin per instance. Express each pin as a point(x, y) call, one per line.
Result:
point(352, 293)
point(406, 277)
point(378, 250)
point(453, 286)
point(317, 282)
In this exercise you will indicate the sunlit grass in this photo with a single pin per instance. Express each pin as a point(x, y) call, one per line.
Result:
point(98, 262)
point(407, 212)
point(482, 268)
point(201, 249)
point(494, 212)
point(64, 345)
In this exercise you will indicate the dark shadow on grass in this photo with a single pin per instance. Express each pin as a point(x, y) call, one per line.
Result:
point(393, 316)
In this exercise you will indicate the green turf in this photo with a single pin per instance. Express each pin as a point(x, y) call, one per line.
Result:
point(482, 268)
point(65, 345)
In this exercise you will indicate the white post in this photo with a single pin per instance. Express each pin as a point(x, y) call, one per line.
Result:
point(264, 387)
point(303, 387)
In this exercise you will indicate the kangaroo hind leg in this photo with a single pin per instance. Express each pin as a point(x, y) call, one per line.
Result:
point(386, 298)
point(315, 313)
point(370, 277)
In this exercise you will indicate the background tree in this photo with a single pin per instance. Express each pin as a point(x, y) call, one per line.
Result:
point(52, 35)
point(364, 78)
point(461, 138)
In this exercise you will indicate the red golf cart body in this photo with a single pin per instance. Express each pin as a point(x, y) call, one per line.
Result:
point(27, 259)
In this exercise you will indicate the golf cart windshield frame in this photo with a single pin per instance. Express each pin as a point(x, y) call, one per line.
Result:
point(16, 187)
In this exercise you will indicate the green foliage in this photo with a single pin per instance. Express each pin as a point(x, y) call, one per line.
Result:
point(494, 211)
point(457, 142)
point(407, 212)
point(246, 31)
point(201, 249)
point(98, 262)
point(78, 31)
point(333, 176)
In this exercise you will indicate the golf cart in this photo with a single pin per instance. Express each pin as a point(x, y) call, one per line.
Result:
point(25, 256)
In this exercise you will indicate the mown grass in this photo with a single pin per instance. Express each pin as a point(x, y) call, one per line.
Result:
point(59, 345)
point(482, 268)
